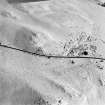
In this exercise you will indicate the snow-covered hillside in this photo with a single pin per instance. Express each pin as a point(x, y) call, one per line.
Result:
point(58, 28)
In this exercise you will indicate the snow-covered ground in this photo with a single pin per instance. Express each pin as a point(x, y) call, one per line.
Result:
point(55, 27)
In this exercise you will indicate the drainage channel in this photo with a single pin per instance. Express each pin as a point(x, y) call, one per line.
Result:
point(50, 56)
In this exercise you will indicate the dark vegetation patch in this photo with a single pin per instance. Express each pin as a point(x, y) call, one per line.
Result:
point(82, 46)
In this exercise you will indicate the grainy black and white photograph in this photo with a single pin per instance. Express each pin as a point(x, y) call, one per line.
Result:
point(52, 52)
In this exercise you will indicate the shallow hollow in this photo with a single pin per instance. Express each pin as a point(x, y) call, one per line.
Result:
point(16, 92)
